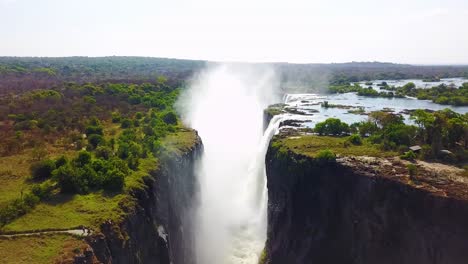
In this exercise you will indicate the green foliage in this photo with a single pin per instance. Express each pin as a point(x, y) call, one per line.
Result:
point(42, 170)
point(96, 140)
point(326, 155)
point(409, 155)
point(441, 94)
point(22, 205)
point(355, 139)
point(170, 118)
point(43, 191)
point(84, 157)
point(331, 126)
point(104, 152)
point(366, 128)
point(126, 123)
point(138, 115)
point(61, 161)
point(412, 170)
point(94, 130)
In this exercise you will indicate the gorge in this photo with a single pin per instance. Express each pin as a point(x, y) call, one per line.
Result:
point(246, 196)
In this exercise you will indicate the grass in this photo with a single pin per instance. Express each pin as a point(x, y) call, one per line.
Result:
point(14, 172)
point(311, 145)
point(180, 142)
point(38, 249)
point(64, 211)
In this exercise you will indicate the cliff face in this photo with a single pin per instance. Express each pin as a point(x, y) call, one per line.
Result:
point(341, 213)
point(158, 229)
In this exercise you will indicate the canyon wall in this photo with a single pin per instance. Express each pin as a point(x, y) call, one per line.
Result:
point(336, 212)
point(158, 229)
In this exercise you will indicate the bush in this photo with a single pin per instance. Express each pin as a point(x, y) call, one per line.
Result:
point(355, 139)
point(104, 152)
point(138, 115)
point(116, 117)
point(96, 140)
point(126, 123)
point(84, 157)
point(73, 179)
point(133, 162)
point(94, 130)
point(409, 155)
point(42, 170)
point(114, 180)
point(42, 191)
point(326, 156)
point(61, 161)
point(412, 170)
point(170, 118)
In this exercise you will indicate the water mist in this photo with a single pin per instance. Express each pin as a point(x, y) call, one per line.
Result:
point(225, 104)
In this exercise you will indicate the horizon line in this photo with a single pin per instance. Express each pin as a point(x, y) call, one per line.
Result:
point(237, 61)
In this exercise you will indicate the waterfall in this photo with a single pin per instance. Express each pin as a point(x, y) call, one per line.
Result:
point(225, 104)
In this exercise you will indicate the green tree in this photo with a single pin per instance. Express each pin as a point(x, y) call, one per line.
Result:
point(42, 170)
point(331, 126)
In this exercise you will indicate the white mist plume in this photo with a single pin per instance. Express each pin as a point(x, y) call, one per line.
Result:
point(225, 104)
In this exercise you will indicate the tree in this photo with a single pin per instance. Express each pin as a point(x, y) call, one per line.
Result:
point(126, 123)
point(425, 121)
point(42, 170)
point(96, 140)
point(84, 157)
point(331, 126)
point(170, 118)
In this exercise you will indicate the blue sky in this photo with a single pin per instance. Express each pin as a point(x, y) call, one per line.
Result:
point(411, 31)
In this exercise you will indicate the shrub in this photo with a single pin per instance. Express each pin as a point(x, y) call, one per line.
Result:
point(42, 170)
point(61, 161)
point(104, 152)
point(426, 152)
point(42, 191)
point(409, 155)
point(326, 155)
point(96, 140)
point(170, 118)
point(412, 170)
point(84, 157)
point(139, 115)
point(126, 123)
point(116, 117)
point(72, 179)
point(133, 162)
point(355, 139)
point(114, 180)
point(94, 130)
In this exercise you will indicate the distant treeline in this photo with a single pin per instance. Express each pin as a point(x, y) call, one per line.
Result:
point(310, 77)
point(26, 73)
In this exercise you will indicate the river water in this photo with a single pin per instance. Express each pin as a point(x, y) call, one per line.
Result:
point(310, 104)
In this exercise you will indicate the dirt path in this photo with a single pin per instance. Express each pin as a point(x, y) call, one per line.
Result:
point(77, 232)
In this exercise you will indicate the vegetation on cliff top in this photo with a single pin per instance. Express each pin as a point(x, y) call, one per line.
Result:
point(43, 249)
point(312, 145)
point(442, 135)
point(88, 148)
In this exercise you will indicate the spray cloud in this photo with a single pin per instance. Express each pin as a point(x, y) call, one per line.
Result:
point(225, 104)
